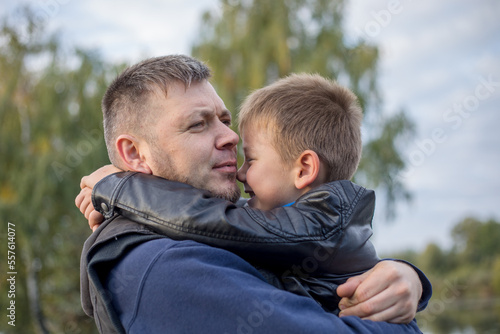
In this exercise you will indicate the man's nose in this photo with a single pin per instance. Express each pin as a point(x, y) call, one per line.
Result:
point(228, 138)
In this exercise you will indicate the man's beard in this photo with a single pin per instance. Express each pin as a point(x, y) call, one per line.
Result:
point(232, 195)
point(166, 169)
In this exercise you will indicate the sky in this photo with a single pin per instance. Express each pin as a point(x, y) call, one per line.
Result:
point(440, 62)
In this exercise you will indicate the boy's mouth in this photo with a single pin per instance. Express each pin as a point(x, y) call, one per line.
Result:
point(250, 193)
point(252, 198)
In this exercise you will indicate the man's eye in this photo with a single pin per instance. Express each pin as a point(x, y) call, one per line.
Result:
point(197, 125)
point(227, 122)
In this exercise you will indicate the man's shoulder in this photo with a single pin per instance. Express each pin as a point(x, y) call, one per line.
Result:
point(146, 254)
point(180, 254)
point(152, 248)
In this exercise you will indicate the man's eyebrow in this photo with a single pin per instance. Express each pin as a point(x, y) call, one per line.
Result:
point(199, 112)
point(226, 112)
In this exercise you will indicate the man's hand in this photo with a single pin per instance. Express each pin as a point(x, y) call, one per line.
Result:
point(390, 292)
point(84, 199)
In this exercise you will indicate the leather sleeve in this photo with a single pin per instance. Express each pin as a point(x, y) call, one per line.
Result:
point(326, 230)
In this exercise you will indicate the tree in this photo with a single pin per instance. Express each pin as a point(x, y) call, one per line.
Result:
point(495, 279)
point(477, 241)
point(50, 135)
point(251, 43)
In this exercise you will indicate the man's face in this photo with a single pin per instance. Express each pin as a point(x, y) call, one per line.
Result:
point(194, 143)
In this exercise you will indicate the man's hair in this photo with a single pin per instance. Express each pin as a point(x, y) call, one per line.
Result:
point(308, 112)
point(125, 104)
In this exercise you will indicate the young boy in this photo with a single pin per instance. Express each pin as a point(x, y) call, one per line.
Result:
point(302, 142)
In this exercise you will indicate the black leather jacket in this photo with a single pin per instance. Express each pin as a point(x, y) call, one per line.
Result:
point(102, 250)
point(310, 247)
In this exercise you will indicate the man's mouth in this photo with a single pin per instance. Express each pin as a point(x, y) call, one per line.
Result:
point(226, 166)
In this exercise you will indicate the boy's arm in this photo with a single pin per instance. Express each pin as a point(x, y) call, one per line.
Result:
point(317, 226)
point(399, 308)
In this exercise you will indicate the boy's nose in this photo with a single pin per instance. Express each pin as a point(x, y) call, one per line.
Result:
point(241, 175)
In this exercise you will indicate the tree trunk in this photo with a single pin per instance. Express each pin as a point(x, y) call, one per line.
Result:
point(34, 296)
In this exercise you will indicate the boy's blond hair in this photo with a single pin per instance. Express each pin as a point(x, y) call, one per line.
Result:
point(308, 112)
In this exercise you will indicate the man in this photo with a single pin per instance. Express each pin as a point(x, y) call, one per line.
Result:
point(163, 117)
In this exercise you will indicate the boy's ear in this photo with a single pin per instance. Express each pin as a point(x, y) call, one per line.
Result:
point(130, 152)
point(307, 169)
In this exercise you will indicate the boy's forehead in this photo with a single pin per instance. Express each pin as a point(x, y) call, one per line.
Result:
point(252, 136)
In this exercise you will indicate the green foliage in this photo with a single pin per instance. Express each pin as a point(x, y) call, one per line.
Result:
point(251, 43)
point(478, 241)
point(472, 263)
point(465, 279)
point(495, 277)
point(50, 135)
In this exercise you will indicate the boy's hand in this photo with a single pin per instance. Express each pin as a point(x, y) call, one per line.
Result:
point(84, 202)
point(390, 292)
point(84, 199)
point(98, 175)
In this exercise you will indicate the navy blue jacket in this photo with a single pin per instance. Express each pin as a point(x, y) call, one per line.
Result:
point(167, 286)
point(157, 266)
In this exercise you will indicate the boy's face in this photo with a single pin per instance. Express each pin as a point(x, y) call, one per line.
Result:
point(267, 179)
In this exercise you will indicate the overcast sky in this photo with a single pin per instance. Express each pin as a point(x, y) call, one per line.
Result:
point(440, 61)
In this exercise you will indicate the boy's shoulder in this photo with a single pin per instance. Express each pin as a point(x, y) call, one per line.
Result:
point(343, 195)
point(343, 186)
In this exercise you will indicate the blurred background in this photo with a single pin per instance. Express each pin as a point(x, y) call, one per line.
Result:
point(427, 74)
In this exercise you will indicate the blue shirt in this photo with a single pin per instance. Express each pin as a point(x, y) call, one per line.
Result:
point(168, 286)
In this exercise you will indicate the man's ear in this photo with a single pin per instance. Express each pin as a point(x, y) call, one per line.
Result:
point(133, 158)
point(307, 169)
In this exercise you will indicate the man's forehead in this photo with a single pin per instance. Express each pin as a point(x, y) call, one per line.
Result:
point(185, 101)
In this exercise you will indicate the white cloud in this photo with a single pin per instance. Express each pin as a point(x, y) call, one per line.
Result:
point(130, 30)
point(434, 55)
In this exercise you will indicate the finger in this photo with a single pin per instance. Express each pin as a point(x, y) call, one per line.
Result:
point(382, 308)
point(349, 287)
point(83, 182)
point(372, 285)
point(86, 204)
point(79, 199)
point(387, 306)
point(365, 309)
point(366, 286)
point(388, 315)
point(85, 200)
point(95, 219)
point(95, 227)
point(89, 210)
